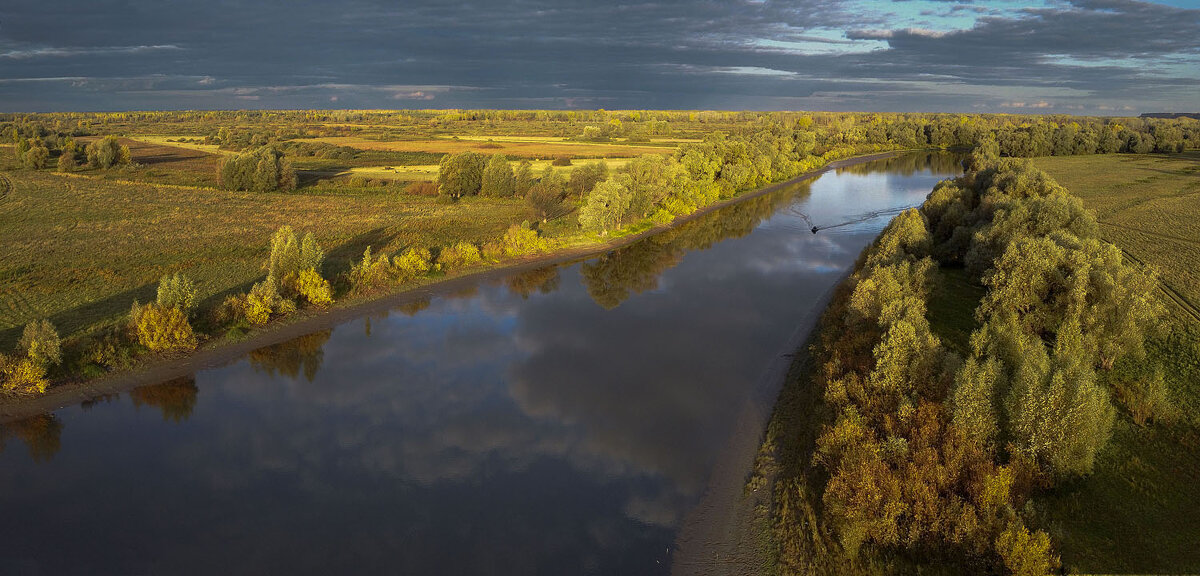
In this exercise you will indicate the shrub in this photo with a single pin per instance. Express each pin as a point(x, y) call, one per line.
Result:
point(41, 344)
point(370, 273)
point(22, 375)
point(1145, 396)
point(177, 291)
point(412, 263)
point(109, 350)
point(163, 329)
point(313, 288)
point(1026, 554)
point(263, 300)
point(521, 239)
point(461, 255)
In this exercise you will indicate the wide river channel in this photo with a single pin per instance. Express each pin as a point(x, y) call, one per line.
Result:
point(565, 420)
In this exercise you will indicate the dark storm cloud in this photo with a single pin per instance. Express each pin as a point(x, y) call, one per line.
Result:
point(825, 54)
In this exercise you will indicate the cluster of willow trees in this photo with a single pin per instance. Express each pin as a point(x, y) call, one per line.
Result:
point(936, 455)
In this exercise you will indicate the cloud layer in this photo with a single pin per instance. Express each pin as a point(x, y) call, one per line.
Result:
point(1077, 55)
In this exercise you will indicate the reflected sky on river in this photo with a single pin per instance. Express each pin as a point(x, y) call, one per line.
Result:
point(562, 420)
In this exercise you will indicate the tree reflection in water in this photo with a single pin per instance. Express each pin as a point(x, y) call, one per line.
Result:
point(615, 276)
point(42, 434)
point(175, 398)
point(542, 280)
point(291, 358)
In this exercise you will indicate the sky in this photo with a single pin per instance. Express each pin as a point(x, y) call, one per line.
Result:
point(1108, 57)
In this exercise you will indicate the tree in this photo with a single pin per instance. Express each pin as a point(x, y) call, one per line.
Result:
point(107, 152)
point(460, 174)
point(585, 177)
point(497, 178)
point(289, 257)
point(37, 157)
point(523, 179)
point(40, 343)
point(177, 291)
point(606, 206)
point(66, 161)
point(545, 197)
point(262, 170)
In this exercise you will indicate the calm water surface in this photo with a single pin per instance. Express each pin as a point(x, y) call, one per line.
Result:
point(561, 421)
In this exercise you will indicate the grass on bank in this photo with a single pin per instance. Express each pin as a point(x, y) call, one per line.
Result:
point(78, 250)
point(1139, 511)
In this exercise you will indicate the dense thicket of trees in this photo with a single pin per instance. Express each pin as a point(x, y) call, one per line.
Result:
point(935, 454)
point(263, 170)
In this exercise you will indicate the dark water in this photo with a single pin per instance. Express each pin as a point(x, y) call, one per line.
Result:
point(562, 421)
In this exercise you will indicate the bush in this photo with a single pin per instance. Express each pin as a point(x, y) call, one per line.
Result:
point(22, 375)
point(521, 239)
point(313, 288)
point(109, 350)
point(41, 344)
point(1145, 396)
point(263, 301)
point(412, 263)
point(461, 255)
point(163, 329)
point(177, 291)
point(370, 273)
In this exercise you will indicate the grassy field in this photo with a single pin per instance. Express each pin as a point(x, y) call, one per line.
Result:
point(1140, 510)
point(428, 172)
point(516, 149)
point(78, 250)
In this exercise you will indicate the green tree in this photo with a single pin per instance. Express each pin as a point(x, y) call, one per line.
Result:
point(37, 157)
point(40, 343)
point(523, 179)
point(606, 207)
point(460, 174)
point(497, 178)
point(107, 152)
point(177, 291)
point(585, 177)
point(262, 170)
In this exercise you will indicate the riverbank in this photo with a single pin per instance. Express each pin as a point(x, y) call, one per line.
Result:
point(729, 532)
point(218, 352)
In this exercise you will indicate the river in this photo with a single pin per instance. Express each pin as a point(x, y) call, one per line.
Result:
point(560, 421)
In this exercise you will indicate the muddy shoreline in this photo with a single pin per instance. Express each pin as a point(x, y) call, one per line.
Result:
point(156, 369)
